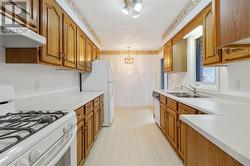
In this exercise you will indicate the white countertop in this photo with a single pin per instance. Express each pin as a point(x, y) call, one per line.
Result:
point(64, 101)
point(227, 124)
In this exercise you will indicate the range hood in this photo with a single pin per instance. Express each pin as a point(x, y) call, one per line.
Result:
point(20, 37)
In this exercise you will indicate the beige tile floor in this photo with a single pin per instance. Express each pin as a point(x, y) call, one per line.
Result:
point(134, 139)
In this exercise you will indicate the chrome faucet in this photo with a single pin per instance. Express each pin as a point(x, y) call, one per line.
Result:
point(192, 89)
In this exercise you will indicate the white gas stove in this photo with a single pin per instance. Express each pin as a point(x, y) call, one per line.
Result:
point(38, 137)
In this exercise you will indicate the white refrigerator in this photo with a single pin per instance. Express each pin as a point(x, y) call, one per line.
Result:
point(101, 79)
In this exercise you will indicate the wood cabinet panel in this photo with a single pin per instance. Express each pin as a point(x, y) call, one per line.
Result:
point(96, 102)
point(26, 12)
point(69, 42)
point(88, 55)
point(80, 143)
point(51, 28)
point(171, 127)
point(88, 107)
point(232, 18)
point(89, 132)
point(101, 114)
point(79, 114)
point(211, 55)
point(183, 109)
point(172, 104)
point(163, 118)
point(182, 138)
point(94, 52)
point(201, 151)
point(234, 54)
point(163, 99)
point(80, 50)
point(168, 57)
point(96, 121)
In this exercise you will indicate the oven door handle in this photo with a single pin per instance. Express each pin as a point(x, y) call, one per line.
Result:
point(55, 156)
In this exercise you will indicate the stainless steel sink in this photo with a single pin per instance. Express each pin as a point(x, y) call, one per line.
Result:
point(187, 95)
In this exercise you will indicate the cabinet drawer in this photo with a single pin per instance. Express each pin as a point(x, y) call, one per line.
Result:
point(172, 104)
point(79, 114)
point(88, 107)
point(96, 102)
point(101, 98)
point(233, 54)
point(183, 109)
point(163, 99)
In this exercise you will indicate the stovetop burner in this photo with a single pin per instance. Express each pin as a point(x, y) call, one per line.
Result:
point(15, 127)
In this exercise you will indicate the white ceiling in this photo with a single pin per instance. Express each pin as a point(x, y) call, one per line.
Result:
point(118, 31)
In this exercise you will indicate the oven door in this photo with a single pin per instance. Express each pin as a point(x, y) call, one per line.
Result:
point(63, 153)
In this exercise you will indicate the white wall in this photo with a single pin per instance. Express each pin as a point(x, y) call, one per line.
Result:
point(32, 79)
point(134, 83)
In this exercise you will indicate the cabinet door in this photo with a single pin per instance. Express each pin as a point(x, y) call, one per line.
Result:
point(211, 55)
point(163, 118)
point(94, 52)
point(172, 129)
point(51, 28)
point(98, 54)
point(25, 12)
point(88, 55)
point(69, 42)
point(233, 21)
point(182, 138)
point(89, 134)
point(80, 143)
point(168, 57)
point(234, 54)
point(96, 121)
point(101, 114)
point(81, 50)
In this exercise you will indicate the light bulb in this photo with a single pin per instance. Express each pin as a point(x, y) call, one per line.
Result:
point(137, 6)
point(135, 14)
point(125, 10)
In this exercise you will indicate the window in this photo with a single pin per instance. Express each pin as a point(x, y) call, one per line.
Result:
point(203, 74)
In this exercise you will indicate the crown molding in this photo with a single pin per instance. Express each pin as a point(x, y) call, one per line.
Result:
point(133, 52)
point(187, 9)
point(79, 14)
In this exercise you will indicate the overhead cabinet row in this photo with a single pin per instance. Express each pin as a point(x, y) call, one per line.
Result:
point(66, 44)
point(226, 35)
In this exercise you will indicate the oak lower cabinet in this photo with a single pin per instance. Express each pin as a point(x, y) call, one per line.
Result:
point(80, 143)
point(96, 121)
point(101, 114)
point(200, 151)
point(172, 127)
point(51, 29)
point(182, 138)
point(163, 119)
point(89, 133)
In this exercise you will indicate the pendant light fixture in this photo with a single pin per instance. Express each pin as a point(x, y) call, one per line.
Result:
point(129, 60)
point(132, 6)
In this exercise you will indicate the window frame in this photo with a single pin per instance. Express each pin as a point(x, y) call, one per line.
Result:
point(205, 86)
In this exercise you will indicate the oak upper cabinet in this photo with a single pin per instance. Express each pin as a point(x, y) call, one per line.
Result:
point(94, 52)
point(89, 132)
point(88, 55)
point(29, 15)
point(234, 54)
point(233, 18)
point(81, 50)
point(168, 57)
point(98, 53)
point(51, 28)
point(211, 55)
point(69, 42)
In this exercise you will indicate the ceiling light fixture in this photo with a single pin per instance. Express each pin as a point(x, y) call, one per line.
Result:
point(133, 6)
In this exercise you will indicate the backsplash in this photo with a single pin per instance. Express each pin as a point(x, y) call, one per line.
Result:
point(32, 79)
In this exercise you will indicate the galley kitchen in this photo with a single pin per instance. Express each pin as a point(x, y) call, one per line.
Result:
point(124, 83)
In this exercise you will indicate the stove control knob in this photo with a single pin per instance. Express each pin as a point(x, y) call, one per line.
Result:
point(35, 155)
point(22, 162)
point(66, 128)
